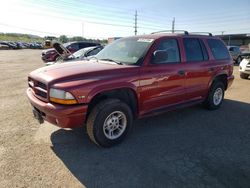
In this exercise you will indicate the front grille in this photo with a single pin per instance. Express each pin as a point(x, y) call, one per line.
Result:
point(39, 88)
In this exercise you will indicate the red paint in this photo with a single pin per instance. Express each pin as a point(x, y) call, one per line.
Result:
point(156, 86)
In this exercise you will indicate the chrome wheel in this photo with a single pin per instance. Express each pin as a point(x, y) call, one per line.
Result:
point(218, 95)
point(114, 125)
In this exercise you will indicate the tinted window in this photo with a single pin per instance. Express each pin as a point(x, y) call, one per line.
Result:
point(193, 49)
point(204, 50)
point(218, 49)
point(172, 50)
point(73, 46)
point(94, 52)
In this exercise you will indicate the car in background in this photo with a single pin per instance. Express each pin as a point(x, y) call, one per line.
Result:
point(245, 67)
point(79, 55)
point(235, 53)
point(4, 47)
point(11, 45)
point(36, 45)
point(52, 55)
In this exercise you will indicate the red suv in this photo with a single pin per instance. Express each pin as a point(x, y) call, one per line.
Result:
point(51, 54)
point(132, 78)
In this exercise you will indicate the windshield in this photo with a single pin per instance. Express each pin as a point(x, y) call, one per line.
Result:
point(127, 50)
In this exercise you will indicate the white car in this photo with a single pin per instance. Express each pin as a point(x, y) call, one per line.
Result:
point(245, 68)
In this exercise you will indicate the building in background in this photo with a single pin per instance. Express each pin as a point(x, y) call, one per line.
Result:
point(236, 39)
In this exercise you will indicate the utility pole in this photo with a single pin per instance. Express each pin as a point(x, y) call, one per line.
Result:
point(136, 22)
point(83, 29)
point(173, 25)
point(222, 33)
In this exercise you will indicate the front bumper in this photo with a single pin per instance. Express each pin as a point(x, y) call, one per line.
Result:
point(71, 116)
point(244, 66)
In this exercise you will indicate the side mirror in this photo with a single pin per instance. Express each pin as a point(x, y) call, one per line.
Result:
point(160, 56)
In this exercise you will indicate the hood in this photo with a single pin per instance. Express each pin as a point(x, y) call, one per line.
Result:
point(48, 50)
point(79, 70)
point(61, 50)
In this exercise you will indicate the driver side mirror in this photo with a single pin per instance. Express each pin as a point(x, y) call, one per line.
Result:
point(160, 56)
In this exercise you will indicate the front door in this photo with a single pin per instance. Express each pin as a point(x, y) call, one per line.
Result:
point(162, 82)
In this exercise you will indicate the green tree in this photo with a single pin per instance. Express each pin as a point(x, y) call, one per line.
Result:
point(63, 39)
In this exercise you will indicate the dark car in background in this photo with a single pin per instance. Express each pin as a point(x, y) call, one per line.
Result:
point(52, 55)
point(79, 55)
point(235, 53)
point(11, 45)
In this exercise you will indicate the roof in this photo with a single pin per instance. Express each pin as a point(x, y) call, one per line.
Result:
point(157, 35)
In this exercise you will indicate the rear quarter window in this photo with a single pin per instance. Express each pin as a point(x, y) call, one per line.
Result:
point(218, 49)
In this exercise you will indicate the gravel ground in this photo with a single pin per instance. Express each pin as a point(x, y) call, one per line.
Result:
point(191, 147)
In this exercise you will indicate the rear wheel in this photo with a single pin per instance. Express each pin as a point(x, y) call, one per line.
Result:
point(109, 122)
point(244, 76)
point(215, 96)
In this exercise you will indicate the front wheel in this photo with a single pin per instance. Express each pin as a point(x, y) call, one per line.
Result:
point(109, 122)
point(215, 96)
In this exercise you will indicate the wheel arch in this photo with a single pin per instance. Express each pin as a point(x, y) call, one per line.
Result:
point(220, 77)
point(125, 94)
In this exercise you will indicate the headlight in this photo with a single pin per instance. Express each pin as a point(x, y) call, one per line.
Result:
point(61, 97)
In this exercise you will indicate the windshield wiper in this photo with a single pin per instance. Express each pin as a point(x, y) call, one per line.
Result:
point(117, 62)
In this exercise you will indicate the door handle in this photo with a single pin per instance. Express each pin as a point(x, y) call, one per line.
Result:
point(181, 72)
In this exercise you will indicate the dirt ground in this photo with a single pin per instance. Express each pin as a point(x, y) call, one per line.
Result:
point(191, 147)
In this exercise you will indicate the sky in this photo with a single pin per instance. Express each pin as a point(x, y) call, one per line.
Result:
point(116, 18)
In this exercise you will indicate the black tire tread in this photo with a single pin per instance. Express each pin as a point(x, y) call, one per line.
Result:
point(93, 114)
point(207, 103)
point(244, 76)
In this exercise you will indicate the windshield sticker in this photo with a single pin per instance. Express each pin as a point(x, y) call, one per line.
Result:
point(145, 40)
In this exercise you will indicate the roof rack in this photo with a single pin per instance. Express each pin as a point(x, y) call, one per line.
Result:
point(171, 31)
point(202, 33)
point(182, 31)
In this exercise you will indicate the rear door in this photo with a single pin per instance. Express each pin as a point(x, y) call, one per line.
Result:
point(163, 82)
point(197, 67)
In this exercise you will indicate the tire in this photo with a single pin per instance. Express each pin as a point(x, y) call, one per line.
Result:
point(107, 113)
point(244, 76)
point(215, 96)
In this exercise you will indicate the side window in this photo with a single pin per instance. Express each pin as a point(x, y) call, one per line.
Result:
point(204, 50)
point(170, 46)
point(193, 49)
point(94, 52)
point(218, 49)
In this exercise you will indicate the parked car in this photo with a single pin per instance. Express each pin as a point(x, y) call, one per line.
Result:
point(51, 54)
point(245, 67)
point(79, 55)
point(133, 77)
point(4, 47)
point(36, 45)
point(9, 44)
point(235, 53)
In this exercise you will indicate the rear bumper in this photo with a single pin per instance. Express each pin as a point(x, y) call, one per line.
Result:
point(230, 80)
point(60, 115)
